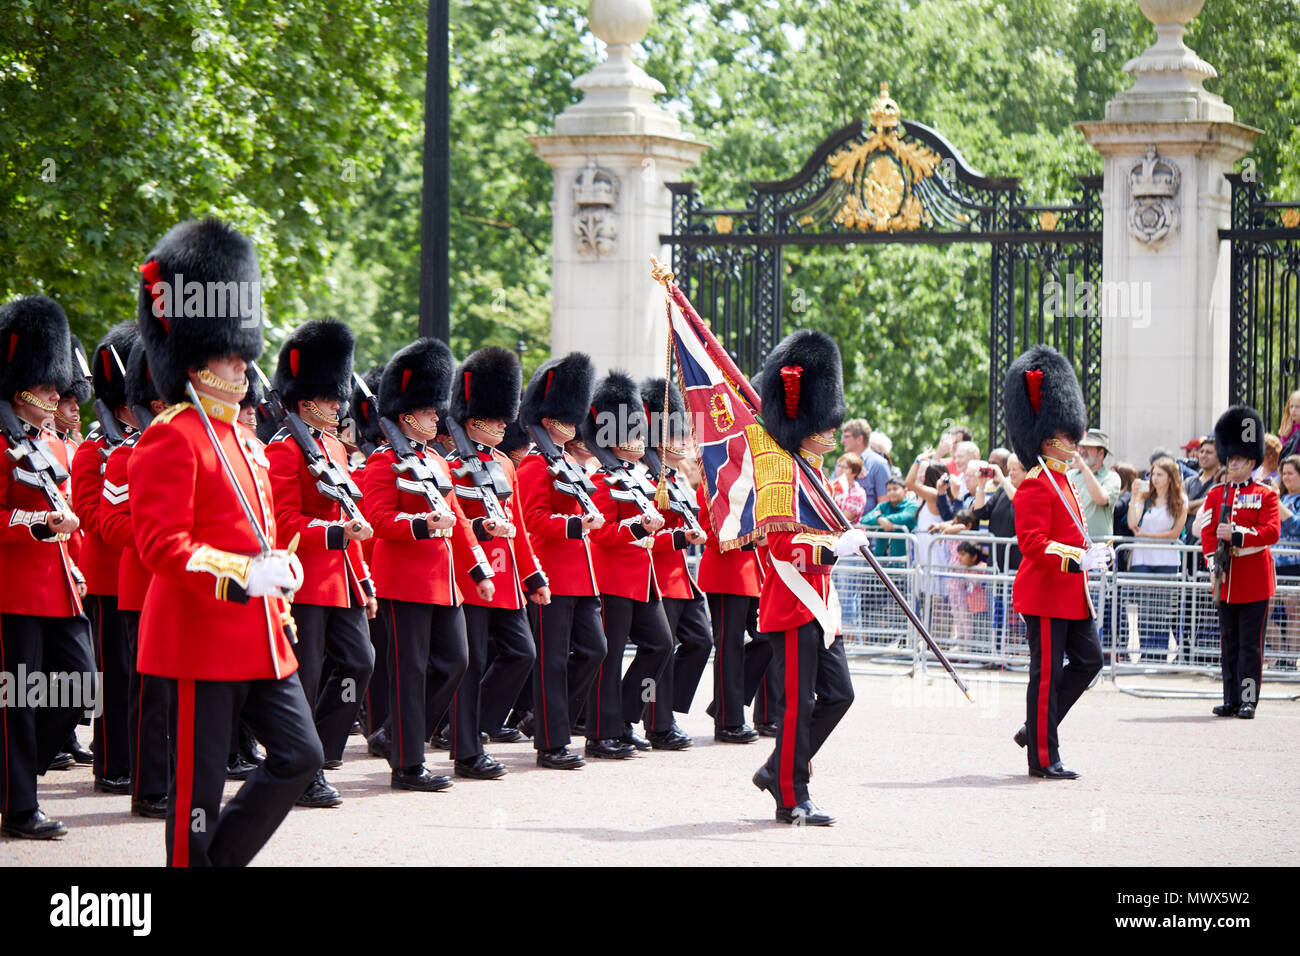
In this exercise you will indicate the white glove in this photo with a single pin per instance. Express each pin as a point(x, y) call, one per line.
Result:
point(850, 541)
point(1098, 556)
point(273, 574)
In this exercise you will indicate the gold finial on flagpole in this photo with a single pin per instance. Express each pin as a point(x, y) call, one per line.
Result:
point(660, 272)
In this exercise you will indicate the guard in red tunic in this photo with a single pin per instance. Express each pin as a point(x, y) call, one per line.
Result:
point(802, 392)
point(1238, 523)
point(1045, 419)
point(98, 561)
point(313, 379)
point(43, 629)
point(630, 597)
point(407, 498)
point(684, 604)
point(570, 640)
point(215, 621)
point(484, 399)
point(147, 695)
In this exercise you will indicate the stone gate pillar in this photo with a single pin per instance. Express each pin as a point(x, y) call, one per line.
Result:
point(612, 154)
point(1167, 144)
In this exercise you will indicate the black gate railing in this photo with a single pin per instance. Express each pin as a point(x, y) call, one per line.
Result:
point(1264, 329)
point(900, 182)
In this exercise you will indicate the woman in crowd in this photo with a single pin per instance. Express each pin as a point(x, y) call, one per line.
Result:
point(1267, 472)
point(928, 514)
point(1289, 430)
point(1286, 560)
point(1157, 512)
point(846, 491)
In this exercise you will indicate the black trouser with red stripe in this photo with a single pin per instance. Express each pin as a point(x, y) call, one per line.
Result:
point(1054, 686)
point(1241, 653)
point(59, 649)
point(149, 715)
point(762, 686)
point(116, 662)
point(570, 651)
point(738, 668)
point(376, 698)
point(688, 620)
point(427, 657)
point(817, 692)
point(338, 634)
point(486, 692)
point(199, 831)
point(615, 703)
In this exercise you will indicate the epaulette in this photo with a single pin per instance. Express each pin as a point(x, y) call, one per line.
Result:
point(281, 435)
point(1035, 471)
point(170, 412)
point(95, 433)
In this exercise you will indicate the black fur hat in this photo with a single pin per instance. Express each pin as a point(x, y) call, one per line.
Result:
point(364, 413)
point(1041, 395)
point(515, 439)
point(487, 386)
point(78, 386)
point(315, 362)
point(141, 389)
point(560, 390)
point(679, 426)
point(226, 318)
point(1240, 431)
point(105, 375)
point(35, 345)
point(616, 414)
point(417, 376)
point(802, 388)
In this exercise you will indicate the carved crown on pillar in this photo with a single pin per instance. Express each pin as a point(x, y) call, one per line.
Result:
point(1153, 198)
point(595, 196)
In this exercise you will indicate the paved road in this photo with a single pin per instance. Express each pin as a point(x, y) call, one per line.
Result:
point(915, 774)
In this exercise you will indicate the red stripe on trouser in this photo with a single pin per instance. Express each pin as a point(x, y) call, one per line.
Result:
point(541, 672)
point(103, 722)
point(1259, 675)
point(4, 719)
point(1044, 687)
point(184, 773)
point(600, 675)
point(396, 677)
point(139, 721)
point(790, 722)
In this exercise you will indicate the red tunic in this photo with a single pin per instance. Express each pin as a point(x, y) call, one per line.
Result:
point(514, 565)
point(334, 570)
point(98, 559)
point(1256, 524)
point(737, 571)
point(36, 567)
point(669, 555)
point(78, 539)
point(813, 556)
point(197, 622)
point(621, 548)
point(408, 566)
point(1049, 582)
point(555, 530)
point(115, 519)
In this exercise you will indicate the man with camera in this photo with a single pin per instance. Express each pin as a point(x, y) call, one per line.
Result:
point(1096, 482)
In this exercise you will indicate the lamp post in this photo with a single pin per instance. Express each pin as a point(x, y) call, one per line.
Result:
point(435, 276)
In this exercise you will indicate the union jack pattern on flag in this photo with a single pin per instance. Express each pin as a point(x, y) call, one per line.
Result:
point(752, 484)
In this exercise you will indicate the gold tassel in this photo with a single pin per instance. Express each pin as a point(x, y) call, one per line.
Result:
point(661, 494)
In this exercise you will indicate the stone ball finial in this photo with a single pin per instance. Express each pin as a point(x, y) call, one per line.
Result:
point(620, 22)
point(1171, 11)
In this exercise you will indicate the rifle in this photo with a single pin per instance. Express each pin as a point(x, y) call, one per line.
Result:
point(420, 478)
point(624, 481)
point(34, 464)
point(1222, 554)
point(678, 501)
point(332, 480)
point(569, 478)
point(108, 424)
point(143, 416)
point(489, 484)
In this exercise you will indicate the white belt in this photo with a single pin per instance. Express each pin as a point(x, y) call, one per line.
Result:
point(1242, 552)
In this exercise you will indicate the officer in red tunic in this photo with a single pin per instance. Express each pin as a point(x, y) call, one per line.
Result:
point(99, 560)
point(147, 696)
point(43, 629)
point(1045, 419)
point(570, 640)
point(684, 604)
point(1241, 516)
point(484, 399)
point(802, 392)
point(313, 378)
point(414, 568)
point(214, 622)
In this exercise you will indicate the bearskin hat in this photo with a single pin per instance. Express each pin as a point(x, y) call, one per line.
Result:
point(35, 345)
point(78, 386)
point(105, 375)
point(560, 390)
point(417, 376)
point(516, 437)
point(141, 389)
point(223, 317)
point(1041, 395)
point(803, 388)
point(616, 414)
point(364, 413)
point(679, 425)
point(487, 386)
point(1240, 431)
point(315, 362)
